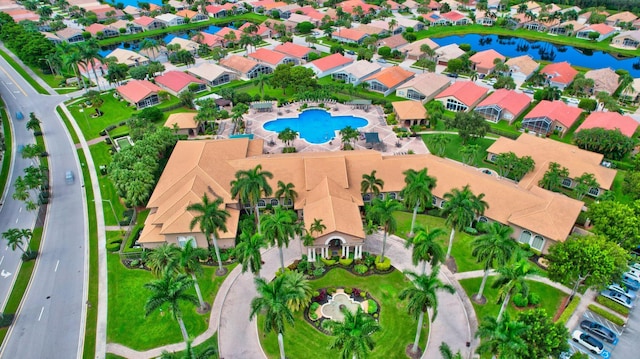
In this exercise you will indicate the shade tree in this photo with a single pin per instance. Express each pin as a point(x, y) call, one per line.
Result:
point(511, 166)
point(553, 177)
point(617, 222)
point(469, 125)
point(211, 217)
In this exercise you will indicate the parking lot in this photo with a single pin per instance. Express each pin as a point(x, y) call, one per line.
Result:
point(608, 347)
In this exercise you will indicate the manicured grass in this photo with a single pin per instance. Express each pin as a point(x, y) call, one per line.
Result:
point(127, 297)
point(36, 86)
point(452, 150)
point(6, 155)
point(398, 328)
point(101, 156)
point(461, 249)
point(67, 124)
point(211, 342)
point(550, 297)
point(618, 188)
point(114, 112)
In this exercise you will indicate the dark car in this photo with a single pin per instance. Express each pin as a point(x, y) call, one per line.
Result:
point(598, 330)
point(453, 75)
point(351, 52)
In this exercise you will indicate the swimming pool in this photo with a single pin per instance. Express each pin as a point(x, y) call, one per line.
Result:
point(315, 126)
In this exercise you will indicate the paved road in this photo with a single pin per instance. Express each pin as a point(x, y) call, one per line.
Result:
point(50, 323)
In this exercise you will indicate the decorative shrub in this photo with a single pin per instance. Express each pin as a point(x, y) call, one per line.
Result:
point(318, 272)
point(328, 262)
point(520, 301)
point(31, 255)
point(331, 290)
point(313, 315)
point(314, 306)
point(619, 308)
point(322, 296)
point(384, 266)
point(348, 291)
point(534, 299)
point(601, 312)
point(135, 263)
point(361, 268)
point(279, 271)
point(113, 246)
point(375, 315)
point(356, 292)
point(363, 294)
point(315, 294)
point(373, 306)
point(346, 261)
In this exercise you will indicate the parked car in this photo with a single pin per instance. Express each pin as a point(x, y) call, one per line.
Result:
point(635, 266)
point(598, 330)
point(351, 52)
point(631, 283)
point(592, 344)
point(453, 75)
point(633, 273)
point(572, 100)
point(529, 91)
point(382, 61)
point(617, 297)
point(622, 289)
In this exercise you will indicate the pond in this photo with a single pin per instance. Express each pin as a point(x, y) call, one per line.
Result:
point(541, 50)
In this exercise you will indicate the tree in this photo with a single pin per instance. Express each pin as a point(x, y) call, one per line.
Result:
point(189, 261)
point(163, 259)
point(248, 252)
point(353, 336)
point(286, 193)
point(586, 261)
point(89, 52)
point(287, 136)
point(249, 186)
point(502, 338)
point(422, 296)
point(631, 184)
point(446, 352)
point(304, 27)
point(469, 125)
point(282, 76)
point(426, 64)
point(425, 248)
point(261, 80)
point(347, 135)
point(279, 228)
point(371, 184)
point(493, 249)
point(34, 123)
point(505, 82)
point(584, 184)
point(618, 222)
point(611, 143)
point(172, 291)
point(19, 238)
point(469, 154)
point(456, 66)
point(190, 353)
point(317, 226)
point(381, 213)
point(211, 217)
point(460, 209)
point(509, 163)
point(439, 142)
point(543, 337)
point(301, 288)
point(512, 279)
point(552, 179)
point(416, 193)
point(186, 98)
point(384, 51)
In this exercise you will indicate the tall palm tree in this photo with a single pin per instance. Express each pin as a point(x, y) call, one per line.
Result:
point(278, 228)
point(317, 226)
point(189, 258)
point(208, 352)
point(261, 81)
point(494, 249)
point(501, 338)
point(248, 252)
point(163, 259)
point(89, 51)
point(371, 184)
point(71, 58)
point(212, 217)
point(426, 248)
point(249, 186)
point(353, 336)
point(422, 296)
point(286, 192)
point(460, 208)
point(512, 279)
point(170, 290)
point(381, 213)
point(446, 352)
point(417, 192)
point(18, 238)
point(300, 286)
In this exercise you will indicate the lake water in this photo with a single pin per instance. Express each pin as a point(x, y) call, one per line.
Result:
point(540, 50)
point(315, 125)
point(135, 2)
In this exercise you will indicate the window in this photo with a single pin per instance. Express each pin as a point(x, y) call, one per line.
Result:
point(493, 157)
point(376, 86)
point(442, 203)
point(182, 241)
point(415, 95)
point(559, 128)
point(537, 243)
point(392, 195)
point(455, 105)
point(381, 196)
point(483, 219)
point(525, 237)
point(274, 202)
point(288, 202)
point(434, 201)
point(262, 203)
point(567, 182)
point(366, 197)
point(222, 79)
point(537, 124)
point(594, 191)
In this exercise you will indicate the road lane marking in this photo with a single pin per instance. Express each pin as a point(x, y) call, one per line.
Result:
point(8, 89)
point(40, 316)
point(14, 82)
point(56, 269)
point(1, 260)
point(17, 219)
point(20, 210)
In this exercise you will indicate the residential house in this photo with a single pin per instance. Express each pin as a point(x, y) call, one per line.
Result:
point(130, 27)
point(350, 6)
point(149, 23)
point(632, 92)
point(484, 61)
point(410, 23)
point(532, 6)
point(102, 31)
point(356, 72)
point(170, 19)
point(551, 117)
point(286, 11)
point(586, 16)
point(327, 188)
point(394, 42)
point(435, 19)
point(106, 12)
point(246, 68)
point(486, 18)
point(522, 67)
point(178, 5)
point(70, 35)
point(540, 25)
point(227, 38)
point(495, 5)
point(388, 79)
point(193, 16)
point(543, 151)
point(349, 35)
point(51, 37)
point(433, 5)
point(413, 52)
point(456, 18)
point(461, 96)
point(566, 28)
point(263, 31)
point(208, 39)
point(176, 82)
point(409, 113)
point(128, 57)
point(605, 80)
point(387, 28)
point(213, 74)
point(503, 104)
point(627, 40)
point(448, 52)
point(610, 121)
point(625, 17)
point(327, 65)
point(184, 122)
point(604, 31)
point(423, 87)
point(559, 74)
point(298, 53)
point(393, 6)
point(270, 57)
point(22, 14)
point(131, 10)
point(185, 44)
point(296, 19)
point(372, 30)
point(140, 93)
point(219, 11)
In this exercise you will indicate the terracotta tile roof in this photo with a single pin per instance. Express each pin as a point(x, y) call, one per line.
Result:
point(208, 71)
point(291, 49)
point(350, 34)
point(453, 16)
point(137, 90)
point(524, 64)
point(268, 56)
point(561, 72)
point(391, 76)
point(207, 39)
point(610, 121)
point(409, 110)
point(144, 20)
point(185, 44)
point(68, 32)
point(361, 68)
point(238, 63)
point(184, 120)
point(261, 28)
point(393, 42)
point(370, 30)
point(449, 52)
point(94, 28)
point(226, 30)
point(512, 101)
point(428, 83)
point(556, 111)
point(349, 5)
point(186, 13)
point(604, 80)
point(602, 29)
point(466, 92)
point(485, 58)
point(413, 48)
point(127, 57)
point(177, 80)
point(624, 16)
point(330, 62)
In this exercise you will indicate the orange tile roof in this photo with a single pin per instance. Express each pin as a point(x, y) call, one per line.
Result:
point(561, 72)
point(512, 101)
point(184, 120)
point(391, 76)
point(268, 56)
point(602, 29)
point(137, 90)
point(207, 39)
point(610, 121)
point(239, 63)
point(409, 110)
point(291, 49)
point(556, 111)
point(485, 58)
point(350, 34)
point(144, 20)
point(177, 80)
point(330, 62)
point(466, 92)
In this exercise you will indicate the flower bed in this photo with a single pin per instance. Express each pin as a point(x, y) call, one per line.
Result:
point(365, 266)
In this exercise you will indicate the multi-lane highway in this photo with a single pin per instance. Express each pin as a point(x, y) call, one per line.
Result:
point(50, 323)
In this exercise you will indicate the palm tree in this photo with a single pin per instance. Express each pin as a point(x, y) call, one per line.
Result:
point(212, 217)
point(18, 238)
point(189, 258)
point(163, 259)
point(427, 51)
point(371, 184)
point(501, 338)
point(422, 296)
point(460, 208)
point(89, 52)
point(189, 353)
point(249, 186)
point(170, 290)
point(353, 336)
point(261, 81)
point(426, 248)
point(286, 192)
point(317, 226)
point(300, 286)
point(417, 192)
point(279, 227)
point(381, 213)
point(512, 279)
point(248, 252)
point(446, 352)
point(494, 248)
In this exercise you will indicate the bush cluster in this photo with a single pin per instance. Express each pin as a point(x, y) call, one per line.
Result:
point(346, 261)
point(601, 312)
point(385, 265)
point(618, 308)
point(373, 306)
point(360, 268)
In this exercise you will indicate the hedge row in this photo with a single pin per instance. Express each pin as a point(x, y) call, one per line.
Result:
point(608, 316)
point(568, 311)
point(618, 308)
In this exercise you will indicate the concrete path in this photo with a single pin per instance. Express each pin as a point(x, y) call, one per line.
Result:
point(545, 280)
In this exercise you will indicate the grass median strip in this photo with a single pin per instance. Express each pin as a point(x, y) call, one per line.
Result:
point(24, 73)
point(8, 140)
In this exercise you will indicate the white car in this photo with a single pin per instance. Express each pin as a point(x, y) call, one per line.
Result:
point(618, 298)
point(633, 273)
point(635, 266)
point(592, 344)
point(624, 290)
point(572, 100)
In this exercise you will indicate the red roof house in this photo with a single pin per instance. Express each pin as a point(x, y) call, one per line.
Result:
point(207, 39)
point(551, 116)
point(141, 93)
point(149, 23)
point(327, 65)
point(461, 96)
point(610, 121)
point(503, 104)
point(298, 52)
point(483, 61)
point(560, 74)
point(177, 81)
point(269, 57)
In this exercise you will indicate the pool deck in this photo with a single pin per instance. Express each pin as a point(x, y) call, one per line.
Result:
point(376, 118)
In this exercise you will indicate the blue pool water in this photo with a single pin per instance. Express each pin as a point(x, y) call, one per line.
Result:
point(135, 2)
point(315, 126)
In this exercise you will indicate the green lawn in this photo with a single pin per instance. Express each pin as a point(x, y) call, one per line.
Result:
point(398, 328)
point(101, 156)
point(550, 297)
point(114, 112)
point(461, 249)
point(618, 188)
point(452, 150)
point(127, 324)
point(6, 154)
